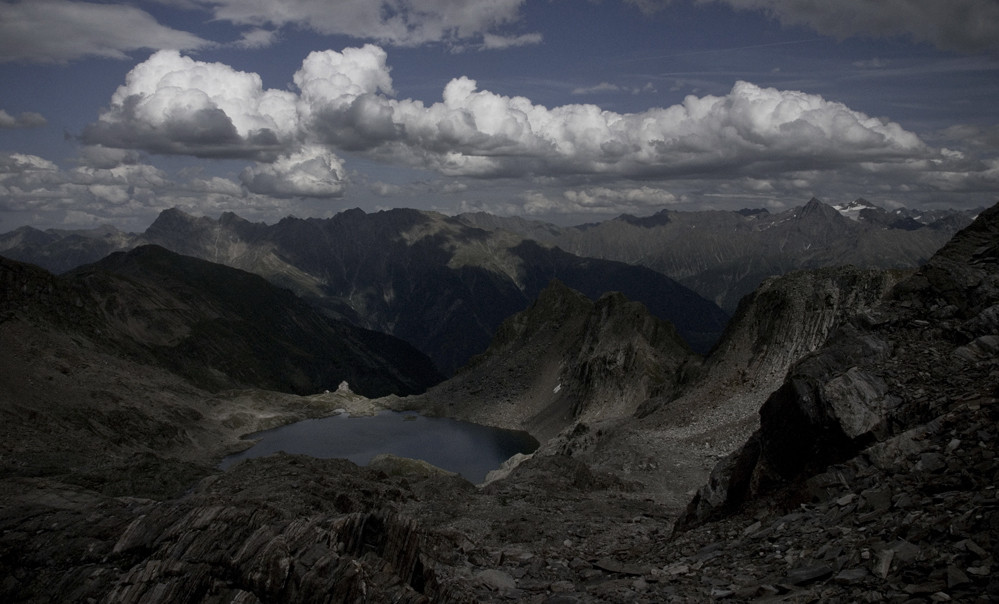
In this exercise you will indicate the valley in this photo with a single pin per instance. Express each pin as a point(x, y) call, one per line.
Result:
point(833, 441)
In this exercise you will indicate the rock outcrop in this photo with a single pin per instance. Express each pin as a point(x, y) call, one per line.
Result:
point(233, 538)
point(909, 362)
point(564, 360)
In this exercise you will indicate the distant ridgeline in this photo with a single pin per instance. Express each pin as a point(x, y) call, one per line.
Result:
point(445, 284)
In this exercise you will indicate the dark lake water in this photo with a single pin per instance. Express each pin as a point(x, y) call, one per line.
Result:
point(468, 449)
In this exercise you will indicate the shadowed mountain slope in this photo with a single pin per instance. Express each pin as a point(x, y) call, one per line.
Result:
point(217, 326)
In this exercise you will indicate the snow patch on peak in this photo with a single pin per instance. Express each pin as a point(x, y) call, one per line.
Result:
point(853, 209)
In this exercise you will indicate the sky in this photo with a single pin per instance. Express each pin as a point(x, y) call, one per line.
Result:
point(561, 110)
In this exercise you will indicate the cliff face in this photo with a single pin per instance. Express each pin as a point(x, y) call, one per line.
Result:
point(676, 437)
point(915, 358)
point(785, 319)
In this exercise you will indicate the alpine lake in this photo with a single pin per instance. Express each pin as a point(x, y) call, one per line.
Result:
point(468, 449)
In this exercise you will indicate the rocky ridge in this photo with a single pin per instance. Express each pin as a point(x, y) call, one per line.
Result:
point(564, 360)
point(724, 256)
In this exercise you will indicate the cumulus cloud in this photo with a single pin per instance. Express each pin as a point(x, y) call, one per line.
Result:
point(479, 133)
point(172, 104)
point(129, 193)
point(176, 105)
point(100, 157)
point(344, 103)
point(396, 22)
point(961, 25)
point(27, 119)
point(64, 30)
point(32, 183)
point(309, 172)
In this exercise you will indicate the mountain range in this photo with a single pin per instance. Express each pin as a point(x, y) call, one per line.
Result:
point(724, 255)
point(433, 281)
point(421, 276)
point(837, 444)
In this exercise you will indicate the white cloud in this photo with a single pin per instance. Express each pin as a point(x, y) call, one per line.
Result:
point(172, 104)
point(608, 87)
point(499, 42)
point(309, 172)
point(128, 194)
point(63, 30)
point(601, 87)
point(27, 119)
point(749, 138)
point(479, 133)
point(14, 164)
point(257, 38)
point(396, 22)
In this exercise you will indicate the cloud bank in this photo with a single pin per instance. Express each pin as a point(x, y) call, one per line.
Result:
point(483, 150)
point(957, 25)
point(63, 30)
point(961, 25)
point(171, 104)
point(27, 119)
point(394, 22)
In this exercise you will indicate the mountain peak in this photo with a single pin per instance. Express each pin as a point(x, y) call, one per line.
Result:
point(817, 209)
point(171, 219)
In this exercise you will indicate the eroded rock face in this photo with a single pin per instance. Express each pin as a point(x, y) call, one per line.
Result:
point(249, 535)
point(871, 382)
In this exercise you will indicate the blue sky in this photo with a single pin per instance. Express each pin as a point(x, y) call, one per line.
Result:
point(562, 110)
